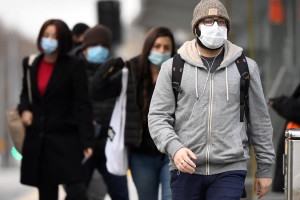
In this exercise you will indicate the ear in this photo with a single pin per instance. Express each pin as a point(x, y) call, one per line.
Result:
point(197, 31)
point(84, 51)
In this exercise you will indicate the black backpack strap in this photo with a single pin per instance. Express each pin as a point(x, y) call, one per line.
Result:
point(242, 66)
point(177, 69)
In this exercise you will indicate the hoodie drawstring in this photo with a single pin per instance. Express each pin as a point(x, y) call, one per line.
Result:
point(196, 83)
point(227, 95)
point(197, 95)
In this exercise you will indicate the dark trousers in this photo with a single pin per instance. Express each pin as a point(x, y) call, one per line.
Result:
point(224, 186)
point(48, 190)
point(278, 182)
point(116, 185)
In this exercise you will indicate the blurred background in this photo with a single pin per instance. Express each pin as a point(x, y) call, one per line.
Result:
point(267, 30)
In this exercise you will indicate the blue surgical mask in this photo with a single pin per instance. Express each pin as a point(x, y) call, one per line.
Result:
point(157, 58)
point(49, 45)
point(97, 54)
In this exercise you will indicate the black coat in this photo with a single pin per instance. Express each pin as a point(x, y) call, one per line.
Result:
point(102, 109)
point(288, 108)
point(62, 122)
point(147, 146)
point(106, 86)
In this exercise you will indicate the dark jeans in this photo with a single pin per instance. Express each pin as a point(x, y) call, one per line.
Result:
point(116, 185)
point(224, 186)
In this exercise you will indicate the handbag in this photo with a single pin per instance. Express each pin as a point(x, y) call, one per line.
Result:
point(115, 150)
point(14, 122)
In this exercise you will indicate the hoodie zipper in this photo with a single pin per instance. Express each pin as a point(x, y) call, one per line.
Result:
point(209, 122)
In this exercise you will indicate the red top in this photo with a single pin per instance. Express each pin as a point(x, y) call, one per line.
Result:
point(43, 76)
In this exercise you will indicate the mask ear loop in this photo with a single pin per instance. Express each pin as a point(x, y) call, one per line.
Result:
point(197, 30)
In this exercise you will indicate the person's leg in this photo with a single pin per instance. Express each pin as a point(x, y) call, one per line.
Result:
point(226, 186)
point(76, 191)
point(145, 175)
point(96, 188)
point(186, 186)
point(47, 189)
point(165, 180)
point(48, 192)
point(89, 168)
point(116, 185)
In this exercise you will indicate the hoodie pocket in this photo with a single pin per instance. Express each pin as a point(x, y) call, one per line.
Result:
point(226, 147)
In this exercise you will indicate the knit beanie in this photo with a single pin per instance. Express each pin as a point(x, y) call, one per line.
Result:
point(98, 35)
point(208, 8)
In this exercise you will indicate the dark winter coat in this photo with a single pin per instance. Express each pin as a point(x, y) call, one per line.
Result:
point(288, 108)
point(147, 145)
point(102, 110)
point(106, 86)
point(62, 125)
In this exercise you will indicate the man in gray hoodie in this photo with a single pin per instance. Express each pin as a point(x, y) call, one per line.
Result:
point(207, 144)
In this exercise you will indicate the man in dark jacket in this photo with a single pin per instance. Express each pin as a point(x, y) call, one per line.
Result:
point(95, 50)
point(77, 34)
point(287, 107)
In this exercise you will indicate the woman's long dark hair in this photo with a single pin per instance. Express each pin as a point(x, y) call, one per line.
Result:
point(63, 34)
point(145, 78)
point(152, 35)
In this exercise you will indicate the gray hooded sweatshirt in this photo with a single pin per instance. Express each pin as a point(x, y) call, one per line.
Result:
point(207, 118)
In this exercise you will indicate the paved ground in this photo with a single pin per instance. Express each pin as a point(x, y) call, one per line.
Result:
point(11, 189)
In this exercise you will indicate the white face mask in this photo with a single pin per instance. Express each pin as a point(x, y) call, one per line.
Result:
point(213, 36)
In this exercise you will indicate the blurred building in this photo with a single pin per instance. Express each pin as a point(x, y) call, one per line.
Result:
point(13, 47)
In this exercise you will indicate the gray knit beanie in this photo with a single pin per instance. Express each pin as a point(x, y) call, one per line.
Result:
point(207, 8)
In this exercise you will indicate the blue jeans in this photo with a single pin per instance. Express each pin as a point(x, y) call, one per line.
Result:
point(147, 173)
point(224, 186)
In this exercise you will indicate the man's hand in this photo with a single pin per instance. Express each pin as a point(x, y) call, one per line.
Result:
point(183, 162)
point(262, 186)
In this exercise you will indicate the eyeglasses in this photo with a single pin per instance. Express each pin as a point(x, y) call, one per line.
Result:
point(211, 21)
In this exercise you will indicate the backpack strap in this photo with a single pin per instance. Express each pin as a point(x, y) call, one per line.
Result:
point(242, 66)
point(241, 62)
point(177, 69)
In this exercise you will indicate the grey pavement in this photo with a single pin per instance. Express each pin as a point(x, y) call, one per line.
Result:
point(11, 189)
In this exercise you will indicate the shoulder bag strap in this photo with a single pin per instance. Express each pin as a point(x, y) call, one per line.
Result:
point(30, 62)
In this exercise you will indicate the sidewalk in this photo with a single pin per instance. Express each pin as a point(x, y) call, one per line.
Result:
point(11, 189)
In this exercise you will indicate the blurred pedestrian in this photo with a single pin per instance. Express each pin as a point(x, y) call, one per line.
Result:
point(77, 33)
point(96, 49)
point(59, 129)
point(149, 167)
point(287, 107)
point(203, 130)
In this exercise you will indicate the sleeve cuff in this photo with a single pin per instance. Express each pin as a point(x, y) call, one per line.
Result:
point(173, 147)
point(263, 171)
